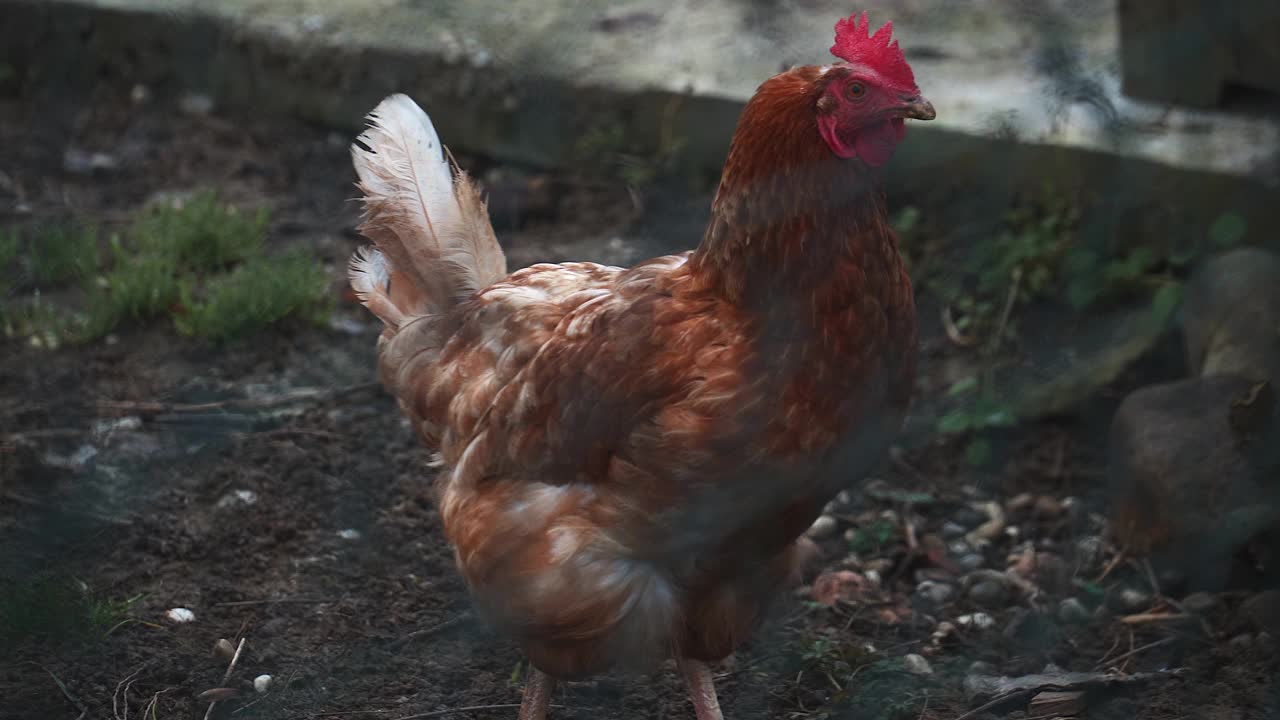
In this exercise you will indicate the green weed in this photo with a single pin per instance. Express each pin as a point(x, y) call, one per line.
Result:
point(58, 609)
point(199, 235)
point(253, 297)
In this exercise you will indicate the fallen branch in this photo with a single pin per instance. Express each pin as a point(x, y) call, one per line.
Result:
point(303, 395)
point(428, 632)
point(1140, 618)
point(1009, 690)
point(32, 502)
point(469, 708)
point(280, 601)
point(1126, 655)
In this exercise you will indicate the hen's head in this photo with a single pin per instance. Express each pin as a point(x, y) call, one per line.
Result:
point(867, 97)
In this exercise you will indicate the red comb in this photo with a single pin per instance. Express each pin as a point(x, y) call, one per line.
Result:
point(880, 52)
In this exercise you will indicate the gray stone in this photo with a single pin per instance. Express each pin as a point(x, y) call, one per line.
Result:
point(982, 667)
point(988, 588)
point(970, 562)
point(1231, 316)
point(824, 526)
point(1129, 600)
point(951, 530)
point(935, 594)
point(1192, 472)
point(1073, 612)
point(1200, 602)
point(917, 664)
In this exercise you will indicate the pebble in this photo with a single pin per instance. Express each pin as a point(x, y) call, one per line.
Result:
point(224, 650)
point(952, 530)
point(958, 547)
point(1241, 642)
point(971, 562)
point(1130, 600)
point(980, 620)
point(195, 104)
point(823, 527)
point(982, 667)
point(262, 684)
point(917, 664)
point(1199, 603)
point(180, 615)
point(349, 534)
point(969, 517)
point(1073, 612)
point(935, 593)
point(989, 593)
point(1089, 550)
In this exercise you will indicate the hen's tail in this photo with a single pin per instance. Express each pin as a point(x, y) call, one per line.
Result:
point(435, 246)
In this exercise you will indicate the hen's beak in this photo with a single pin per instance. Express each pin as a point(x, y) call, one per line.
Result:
point(917, 108)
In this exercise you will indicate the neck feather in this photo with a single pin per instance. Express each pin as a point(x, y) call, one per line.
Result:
point(788, 212)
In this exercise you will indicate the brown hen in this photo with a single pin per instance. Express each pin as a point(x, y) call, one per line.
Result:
point(631, 456)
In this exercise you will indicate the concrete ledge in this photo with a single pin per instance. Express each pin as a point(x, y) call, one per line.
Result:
point(498, 105)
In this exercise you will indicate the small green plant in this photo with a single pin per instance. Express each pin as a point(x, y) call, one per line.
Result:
point(60, 253)
point(872, 537)
point(984, 411)
point(58, 609)
point(200, 234)
point(253, 297)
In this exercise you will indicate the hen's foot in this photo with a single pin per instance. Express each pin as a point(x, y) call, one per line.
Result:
point(537, 695)
point(702, 691)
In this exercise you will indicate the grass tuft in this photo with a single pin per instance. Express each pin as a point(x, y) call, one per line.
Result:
point(255, 296)
point(58, 609)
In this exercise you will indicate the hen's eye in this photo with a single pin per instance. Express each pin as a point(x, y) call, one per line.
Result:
point(856, 90)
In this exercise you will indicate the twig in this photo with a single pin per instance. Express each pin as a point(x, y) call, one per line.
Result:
point(280, 601)
point(428, 632)
point(32, 502)
point(1009, 300)
point(65, 693)
point(1141, 618)
point(1135, 651)
point(146, 407)
point(469, 708)
point(1115, 561)
point(226, 676)
point(996, 702)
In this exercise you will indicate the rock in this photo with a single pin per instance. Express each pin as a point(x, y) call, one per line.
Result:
point(262, 684)
point(981, 667)
point(195, 104)
point(934, 594)
point(823, 527)
point(224, 650)
point(989, 594)
point(831, 588)
point(1231, 312)
point(992, 587)
point(1129, 600)
point(1073, 612)
point(969, 517)
point(1263, 611)
point(952, 530)
point(1187, 487)
point(180, 615)
point(979, 620)
point(1088, 551)
point(917, 664)
point(971, 562)
point(1199, 603)
point(1241, 643)
point(349, 534)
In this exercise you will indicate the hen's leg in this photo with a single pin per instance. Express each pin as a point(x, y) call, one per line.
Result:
point(537, 695)
point(702, 691)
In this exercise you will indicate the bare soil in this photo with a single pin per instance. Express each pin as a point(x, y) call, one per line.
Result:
point(304, 525)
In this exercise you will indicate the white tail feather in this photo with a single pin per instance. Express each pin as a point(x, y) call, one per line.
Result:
point(427, 219)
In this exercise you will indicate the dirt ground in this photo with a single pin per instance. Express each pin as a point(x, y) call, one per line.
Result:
point(293, 513)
